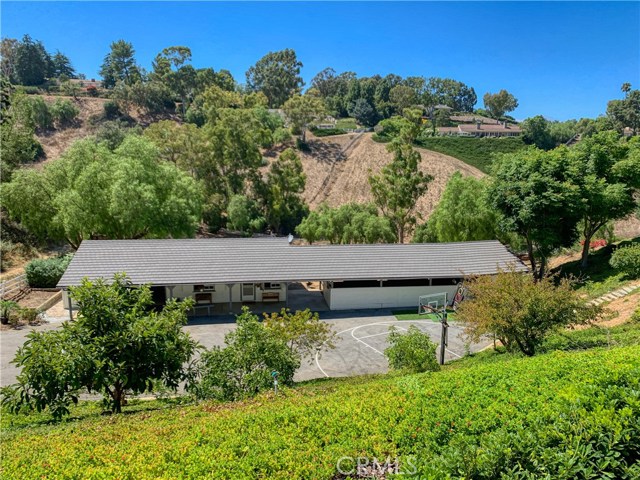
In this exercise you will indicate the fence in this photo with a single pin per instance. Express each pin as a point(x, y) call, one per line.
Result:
point(14, 288)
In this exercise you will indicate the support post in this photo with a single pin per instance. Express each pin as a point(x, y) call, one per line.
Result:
point(230, 287)
point(70, 306)
point(171, 287)
point(286, 294)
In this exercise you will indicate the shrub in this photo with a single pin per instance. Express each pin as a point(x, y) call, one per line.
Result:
point(412, 351)
point(19, 315)
point(6, 308)
point(40, 113)
point(636, 316)
point(245, 365)
point(111, 109)
point(327, 132)
point(92, 91)
point(627, 260)
point(113, 133)
point(64, 112)
point(281, 135)
point(303, 332)
point(521, 311)
point(30, 90)
point(46, 273)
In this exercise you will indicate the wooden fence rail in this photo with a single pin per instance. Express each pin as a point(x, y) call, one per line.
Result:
point(14, 288)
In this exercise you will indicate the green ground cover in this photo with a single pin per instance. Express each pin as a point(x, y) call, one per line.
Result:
point(565, 414)
point(477, 152)
point(346, 123)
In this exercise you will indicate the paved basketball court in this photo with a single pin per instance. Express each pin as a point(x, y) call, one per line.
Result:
point(361, 343)
point(361, 340)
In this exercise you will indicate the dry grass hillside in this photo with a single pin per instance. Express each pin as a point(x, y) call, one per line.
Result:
point(338, 169)
point(55, 142)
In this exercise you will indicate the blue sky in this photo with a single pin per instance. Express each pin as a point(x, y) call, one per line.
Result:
point(562, 60)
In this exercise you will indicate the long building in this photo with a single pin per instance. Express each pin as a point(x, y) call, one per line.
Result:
point(222, 274)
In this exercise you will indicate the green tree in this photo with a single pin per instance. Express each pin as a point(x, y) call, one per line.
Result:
point(463, 213)
point(151, 97)
point(609, 173)
point(499, 103)
point(285, 184)
point(412, 352)
point(302, 331)
point(185, 145)
point(626, 113)
point(348, 223)
point(536, 194)
point(120, 65)
point(449, 92)
point(8, 52)
point(521, 311)
point(363, 112)
point(301, 110)
point(244, 214)
point(536, 131)
point(402, 96)
point(244, 366)
point(215, 99)
point(399, 186)
point(17, 129)
point(116, 346)
point(92, 192)
point(62, 65)
point(170, 67)
point(234, 156)
point(32, 62)
point(277, 75)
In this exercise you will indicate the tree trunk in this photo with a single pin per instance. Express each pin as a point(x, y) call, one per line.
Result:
point(542, 268)
point(118, 398)
point(532, 259)
point(584, 262)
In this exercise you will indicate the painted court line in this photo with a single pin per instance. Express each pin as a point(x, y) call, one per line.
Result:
point(352, 330)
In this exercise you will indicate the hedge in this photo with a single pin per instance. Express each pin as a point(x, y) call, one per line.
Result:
point(561, 415)
point(327, 132)
point(46, 272)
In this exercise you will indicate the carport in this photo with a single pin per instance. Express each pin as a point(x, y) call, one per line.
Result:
point(269, 273)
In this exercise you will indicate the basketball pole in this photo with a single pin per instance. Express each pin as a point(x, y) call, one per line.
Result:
point(443, 335)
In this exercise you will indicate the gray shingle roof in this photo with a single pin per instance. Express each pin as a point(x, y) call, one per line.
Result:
point(196, 261)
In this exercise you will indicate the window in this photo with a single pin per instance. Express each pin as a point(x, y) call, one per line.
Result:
point(204, 288)
point(271, 286)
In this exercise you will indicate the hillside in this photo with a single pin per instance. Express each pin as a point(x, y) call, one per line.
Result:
point(479, 418)
point(55, 142)
point(338, 169)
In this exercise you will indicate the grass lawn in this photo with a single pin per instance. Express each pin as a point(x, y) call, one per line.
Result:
point(346, 123)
